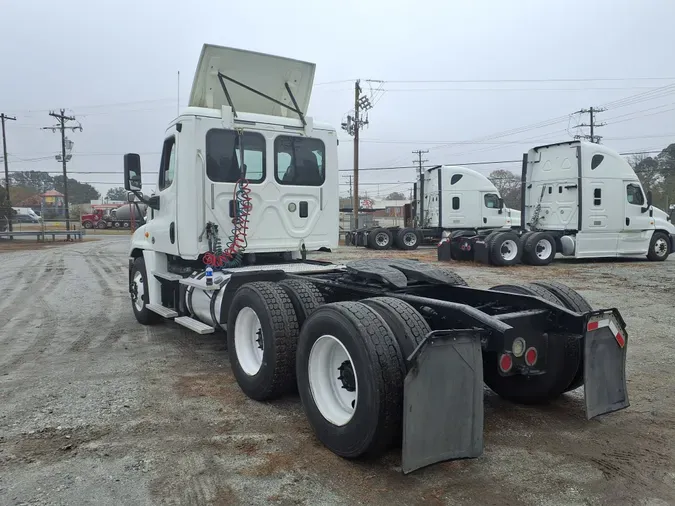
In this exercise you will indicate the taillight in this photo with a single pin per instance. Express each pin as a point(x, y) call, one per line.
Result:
point(505, 362)
point(531, 356)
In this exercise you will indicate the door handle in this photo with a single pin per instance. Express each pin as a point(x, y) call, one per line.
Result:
point(172, 232)
point(627, 221)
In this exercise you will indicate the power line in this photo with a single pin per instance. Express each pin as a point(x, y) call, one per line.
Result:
point(4, 118)
point(352, 126)
point(592, 124)
point(66, 147)
point(552, 80)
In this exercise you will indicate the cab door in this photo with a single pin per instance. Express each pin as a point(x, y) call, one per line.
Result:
point(163, 226)
point(492, 214)
point(638, 224)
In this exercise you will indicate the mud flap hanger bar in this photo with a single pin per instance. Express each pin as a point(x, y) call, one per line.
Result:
point(446, 369)
point(222, 77)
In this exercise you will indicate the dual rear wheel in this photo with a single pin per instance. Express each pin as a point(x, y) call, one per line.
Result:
point(348, 360)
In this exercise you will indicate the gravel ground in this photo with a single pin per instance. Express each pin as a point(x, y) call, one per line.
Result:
point(97, 409)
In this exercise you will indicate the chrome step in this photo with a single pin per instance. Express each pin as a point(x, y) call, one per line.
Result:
point(169, 276)
point(194, 325)
point(162, 311)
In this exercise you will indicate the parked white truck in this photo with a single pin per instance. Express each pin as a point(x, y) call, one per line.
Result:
point(582, 200)
point(382, 352)
point(447, 199)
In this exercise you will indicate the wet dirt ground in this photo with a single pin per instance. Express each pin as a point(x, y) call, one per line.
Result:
point(97, 409)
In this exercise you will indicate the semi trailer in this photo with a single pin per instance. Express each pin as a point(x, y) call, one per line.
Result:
point(579, 199)
point(383, 352)
point(447, 199)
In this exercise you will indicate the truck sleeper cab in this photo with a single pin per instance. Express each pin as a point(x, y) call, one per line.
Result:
point(380, 351)
point(447, 199)
point(582, 200)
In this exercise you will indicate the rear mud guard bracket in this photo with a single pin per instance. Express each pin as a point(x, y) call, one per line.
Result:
point(605, 387)
point(443, 400)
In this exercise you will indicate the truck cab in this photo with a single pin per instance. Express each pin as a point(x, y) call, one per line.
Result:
point(455, 197)
point(590, 198)
point(244, 143)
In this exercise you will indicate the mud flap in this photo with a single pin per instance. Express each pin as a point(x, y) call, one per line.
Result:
point(443, 400)
point(605, 340)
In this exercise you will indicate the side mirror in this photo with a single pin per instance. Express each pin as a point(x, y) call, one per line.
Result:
point(649, 202)
point(131, 197)
point(132, 172)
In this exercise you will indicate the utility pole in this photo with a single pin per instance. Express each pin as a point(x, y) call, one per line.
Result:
point(352, 126)
point(4, 117)
point(592, 124)
point(420, 186)
point(61, 120)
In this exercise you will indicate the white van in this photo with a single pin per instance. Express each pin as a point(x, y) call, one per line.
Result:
point(26, 211)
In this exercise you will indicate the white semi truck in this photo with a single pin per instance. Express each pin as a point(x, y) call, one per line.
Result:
point(382, 352)
point(582, 200)
point(447, 199)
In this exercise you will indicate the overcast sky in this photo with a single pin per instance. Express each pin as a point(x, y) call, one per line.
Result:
point(113, 65)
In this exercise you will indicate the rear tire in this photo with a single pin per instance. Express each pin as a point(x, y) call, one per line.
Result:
point(262, 332)
point(573, 301)
point(380, 239)
point(366, 420)
point(505, 248)
point(564, 355)
point(101, 225)
point(452, 277)
point(562, 362)
point(305, 297)
point(408, 325)
point(407, 239)
point(538, 248)
point(659, 247)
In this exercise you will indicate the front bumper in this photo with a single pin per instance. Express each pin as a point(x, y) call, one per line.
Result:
point(672, 243)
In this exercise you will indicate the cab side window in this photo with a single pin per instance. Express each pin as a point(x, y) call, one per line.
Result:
point(491, 201)
point(634, 195)
point(167, 167)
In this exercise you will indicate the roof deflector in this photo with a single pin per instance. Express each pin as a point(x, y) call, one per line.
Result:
point(252, 82)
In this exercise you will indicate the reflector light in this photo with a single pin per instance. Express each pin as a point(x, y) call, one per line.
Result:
point(505, 362)
point(531, 356)
point(592, 326)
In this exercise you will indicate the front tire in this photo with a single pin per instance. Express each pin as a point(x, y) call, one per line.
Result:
point(659, 247)
point(350, 378)
point(140, 295)
point(262, 332)
point(88, 225)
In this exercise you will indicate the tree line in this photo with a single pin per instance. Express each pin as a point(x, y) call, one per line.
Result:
point(26, 184)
